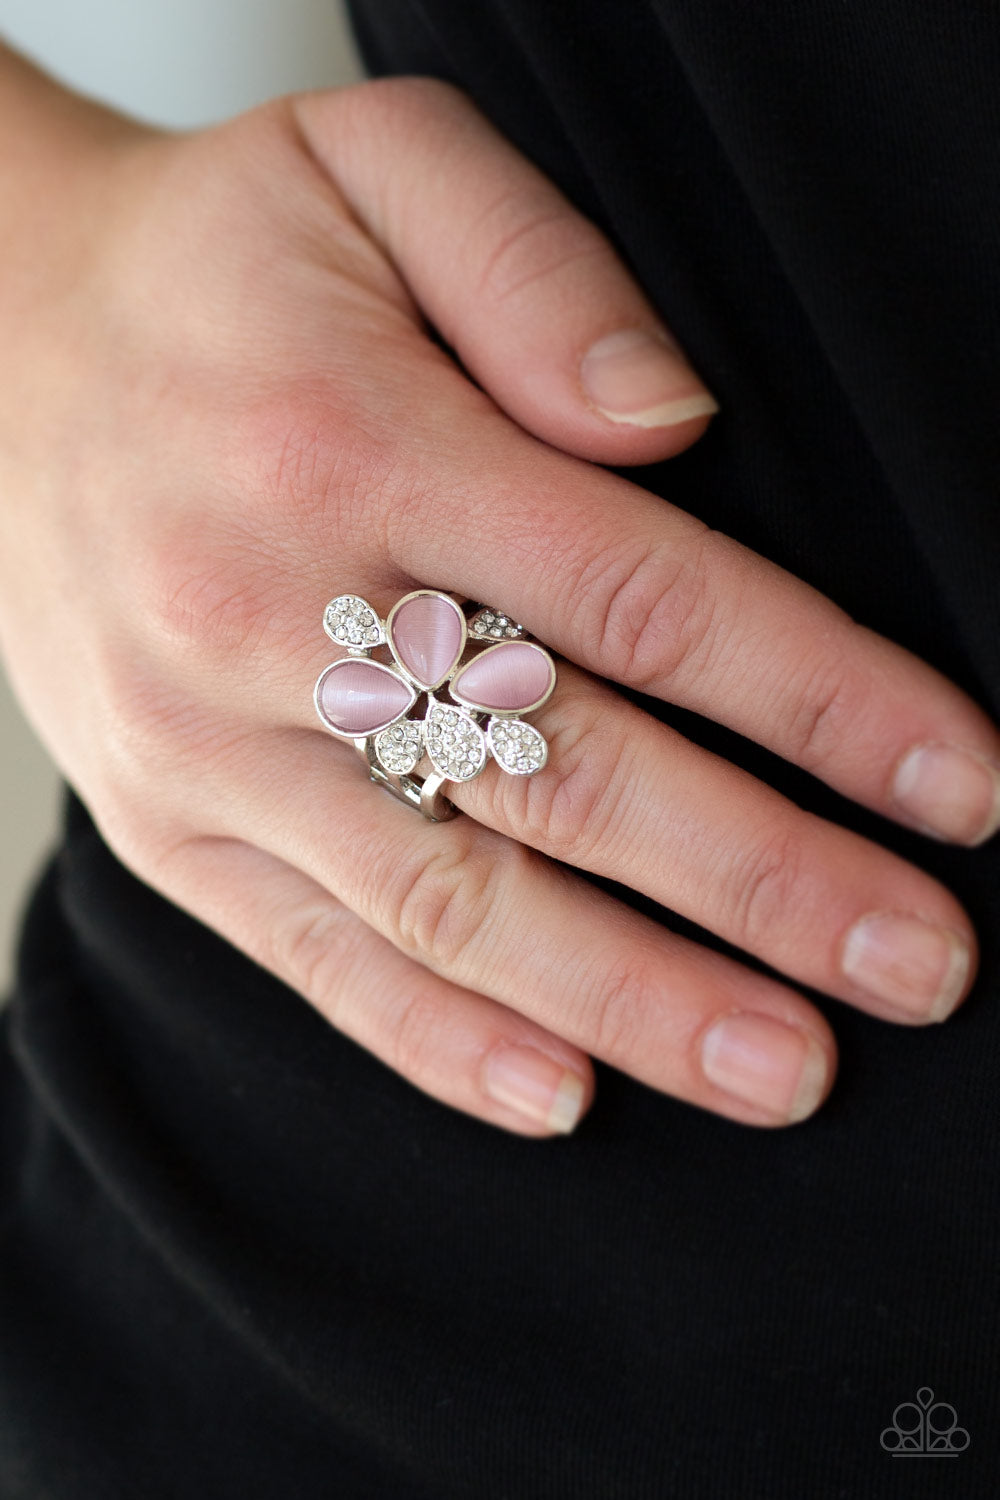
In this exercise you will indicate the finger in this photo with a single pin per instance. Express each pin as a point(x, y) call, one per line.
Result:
point(630, 799)
point(642, 593)
point(486, 913)
point(461, 1048)
point(529, 293)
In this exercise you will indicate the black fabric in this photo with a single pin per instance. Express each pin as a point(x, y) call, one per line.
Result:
point(240, 1257)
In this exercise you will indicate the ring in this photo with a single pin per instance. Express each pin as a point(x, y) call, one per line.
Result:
point(482, 661)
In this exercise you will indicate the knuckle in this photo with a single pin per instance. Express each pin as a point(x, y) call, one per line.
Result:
point(211, 597)
point(442, 907)
point(203, 594)
point(415, 1045)
point(147, 838)
point(307, 949)
point(405, 100)
point(365, 120)
point(298, 449)
point(762, 890)
point(568, 814)
point(324, 467)
point(617, 1018)
point(651, 612)
point(141, 720)
point(825, 704)
point(310, 449)
point(128, 828)
point(154, 748)
point(220, 609)
point(527, 235)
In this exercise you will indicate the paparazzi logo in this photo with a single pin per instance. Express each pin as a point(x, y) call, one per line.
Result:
point(925, 1428)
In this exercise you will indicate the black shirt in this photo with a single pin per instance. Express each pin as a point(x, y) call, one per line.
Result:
point(241, 1257)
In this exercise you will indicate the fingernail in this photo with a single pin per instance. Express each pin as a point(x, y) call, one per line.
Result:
point(914, 965)
point(764, 1062)
point(541, 1088)
point(954, 793)
point(636, 377)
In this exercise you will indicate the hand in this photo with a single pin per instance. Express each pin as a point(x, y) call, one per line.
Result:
point(224, 408)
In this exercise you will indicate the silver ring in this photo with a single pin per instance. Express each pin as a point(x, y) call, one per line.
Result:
point(477, 673)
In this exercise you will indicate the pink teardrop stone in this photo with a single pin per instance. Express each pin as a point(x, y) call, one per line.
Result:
point(426, 635)
point(510, 677)
point(359, 698)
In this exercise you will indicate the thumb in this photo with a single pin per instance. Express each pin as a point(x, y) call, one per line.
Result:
point(526, 290)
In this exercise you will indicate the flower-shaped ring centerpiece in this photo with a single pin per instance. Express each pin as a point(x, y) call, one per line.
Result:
point(429, 636)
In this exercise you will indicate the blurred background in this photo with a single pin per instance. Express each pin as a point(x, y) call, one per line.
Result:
point(174, 62)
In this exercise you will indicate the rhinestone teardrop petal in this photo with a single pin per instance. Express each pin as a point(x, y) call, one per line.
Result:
point(400, 747)
point(350, 621)
point(455, 743)
point(489, 624)
point(517, 748)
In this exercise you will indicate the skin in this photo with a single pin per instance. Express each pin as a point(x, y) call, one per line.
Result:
point(223, 407)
